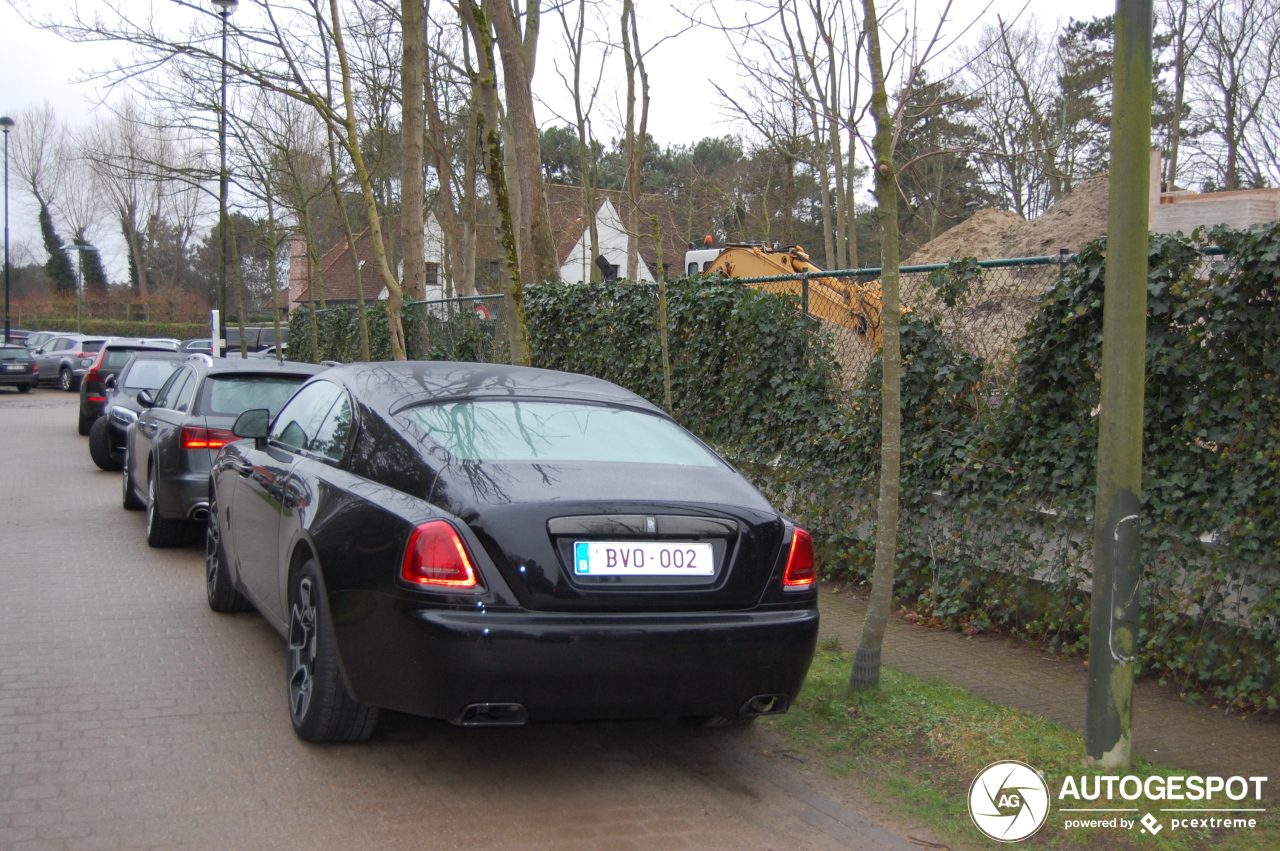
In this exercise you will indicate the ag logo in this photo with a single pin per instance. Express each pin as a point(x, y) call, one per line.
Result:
point(1008, 801)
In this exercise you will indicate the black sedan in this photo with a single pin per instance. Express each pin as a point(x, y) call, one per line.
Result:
point(493, 545)
point(168, 451)
point(142, 370)
point(17, 367)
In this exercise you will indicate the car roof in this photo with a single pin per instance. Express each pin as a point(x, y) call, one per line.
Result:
point(141, 343)
point(392, 386)
point(221, 366)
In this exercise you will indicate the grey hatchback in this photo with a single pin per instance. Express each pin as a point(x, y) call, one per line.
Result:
point(182, 428)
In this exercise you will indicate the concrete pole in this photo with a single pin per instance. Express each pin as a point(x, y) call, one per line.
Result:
point(1117, 525)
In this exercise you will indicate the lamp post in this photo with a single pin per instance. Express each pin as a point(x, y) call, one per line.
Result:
point(81, 248)
point(225, 8)
point(6, 124)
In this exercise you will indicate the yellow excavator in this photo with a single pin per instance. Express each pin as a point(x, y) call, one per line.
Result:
point(842, 301)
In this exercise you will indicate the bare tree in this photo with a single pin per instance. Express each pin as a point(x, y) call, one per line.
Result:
point(1232, 76)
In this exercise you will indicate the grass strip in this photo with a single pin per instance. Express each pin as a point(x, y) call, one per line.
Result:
point(916, 744)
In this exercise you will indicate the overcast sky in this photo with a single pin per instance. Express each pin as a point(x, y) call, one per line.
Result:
point(36, 66)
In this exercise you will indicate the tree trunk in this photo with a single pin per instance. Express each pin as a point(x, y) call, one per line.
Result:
point(519, 52)
point(866, 670)
point(395, 296)
point(412, 66)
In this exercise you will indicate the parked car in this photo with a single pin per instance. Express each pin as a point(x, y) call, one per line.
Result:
point(493, 545)
point(36, 339)
point(256, 337)
point(16, 335)
point(194, 345)
point(111, 358)
point(65, 359)
point(144, 370)
point(17, 367)
point(169, 449)
point(269, 353)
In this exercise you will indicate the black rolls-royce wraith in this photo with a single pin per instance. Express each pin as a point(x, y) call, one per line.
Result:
point(494, 545)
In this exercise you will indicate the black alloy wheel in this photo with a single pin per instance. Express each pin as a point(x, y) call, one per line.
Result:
point(128, 499)
point(223, 596)
point(161, 533)
point(66, 380)
point(100, 445)
point(321, 708)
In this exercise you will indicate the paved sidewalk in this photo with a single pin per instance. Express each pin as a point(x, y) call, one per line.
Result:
point(1166, 729)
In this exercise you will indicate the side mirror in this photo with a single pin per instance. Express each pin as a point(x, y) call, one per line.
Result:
point(253, 423)
point(110, 383)
point(145, 399)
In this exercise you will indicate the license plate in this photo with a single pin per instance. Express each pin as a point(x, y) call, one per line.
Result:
point(15, 367)
point(642, 558)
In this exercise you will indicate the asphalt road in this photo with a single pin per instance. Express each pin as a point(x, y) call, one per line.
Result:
point(131, 716)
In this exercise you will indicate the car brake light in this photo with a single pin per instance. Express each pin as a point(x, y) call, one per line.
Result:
point(436, 557)
point(800, 572)
point(206, 438)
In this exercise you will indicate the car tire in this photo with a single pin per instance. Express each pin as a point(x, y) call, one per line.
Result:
point(66, 380)
point(100, 445)
point(321, 708)
point(161, 533)
point(24, 388)
point(222, 595)
point(129, 499)
point(85, 424)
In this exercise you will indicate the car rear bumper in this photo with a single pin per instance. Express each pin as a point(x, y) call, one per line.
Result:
point(16, 379)
point(562, 667)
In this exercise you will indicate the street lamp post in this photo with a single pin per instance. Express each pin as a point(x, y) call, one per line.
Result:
point(225, 8)
point(6, 124)
point(81, 248)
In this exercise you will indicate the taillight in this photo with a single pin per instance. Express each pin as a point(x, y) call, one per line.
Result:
point(206, 438)
point(436, 557)
point(800, 572)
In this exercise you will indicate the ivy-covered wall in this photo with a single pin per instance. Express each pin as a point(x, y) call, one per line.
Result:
point(998, 480)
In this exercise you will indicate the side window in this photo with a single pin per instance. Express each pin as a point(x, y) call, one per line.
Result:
point(182, 395)
point(331, 438)
point(63, 344)
point(172, 389)
point(300, 420)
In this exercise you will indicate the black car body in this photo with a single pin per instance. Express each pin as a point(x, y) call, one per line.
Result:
point(144, 370)
point(115, 353)
point(395, 525)
point(169, 449)
point(17, 367)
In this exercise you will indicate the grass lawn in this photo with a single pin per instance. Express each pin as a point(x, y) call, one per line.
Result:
point(915, 745)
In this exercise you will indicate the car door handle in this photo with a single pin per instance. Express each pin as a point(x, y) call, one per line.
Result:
point(240, 467)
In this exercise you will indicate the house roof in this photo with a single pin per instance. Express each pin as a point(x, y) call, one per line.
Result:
point(338, 274)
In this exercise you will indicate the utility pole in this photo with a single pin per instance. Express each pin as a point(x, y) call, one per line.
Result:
point(1117, 515)
point(6, 124)
point(225, 8)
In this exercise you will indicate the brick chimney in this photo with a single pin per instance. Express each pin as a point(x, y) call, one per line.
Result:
point(299, 269)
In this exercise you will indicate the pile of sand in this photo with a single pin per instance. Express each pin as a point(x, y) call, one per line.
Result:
point(1079, 217)
point(982, 235)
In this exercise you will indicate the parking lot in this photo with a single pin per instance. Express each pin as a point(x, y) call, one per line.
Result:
point(131, 716)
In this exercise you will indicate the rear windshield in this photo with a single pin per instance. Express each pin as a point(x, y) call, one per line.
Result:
point(149, 374)
point(92, 345)
point(232, 395)
point(117, 358)
point(15, 354)
point(494, 430)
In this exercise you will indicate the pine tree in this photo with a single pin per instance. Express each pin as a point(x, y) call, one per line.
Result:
point(58, 267)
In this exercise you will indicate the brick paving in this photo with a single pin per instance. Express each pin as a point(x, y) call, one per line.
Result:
point(1166, 729)
point(131, 716)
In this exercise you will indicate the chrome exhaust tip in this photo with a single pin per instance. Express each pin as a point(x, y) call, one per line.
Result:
point(200, 513)
point(765, 704)
point(493, 715)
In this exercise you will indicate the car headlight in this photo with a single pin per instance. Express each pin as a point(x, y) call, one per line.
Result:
point(122, 417)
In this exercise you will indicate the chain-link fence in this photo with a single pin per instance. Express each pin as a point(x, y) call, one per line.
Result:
point(470, 328)
point(983, 319)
